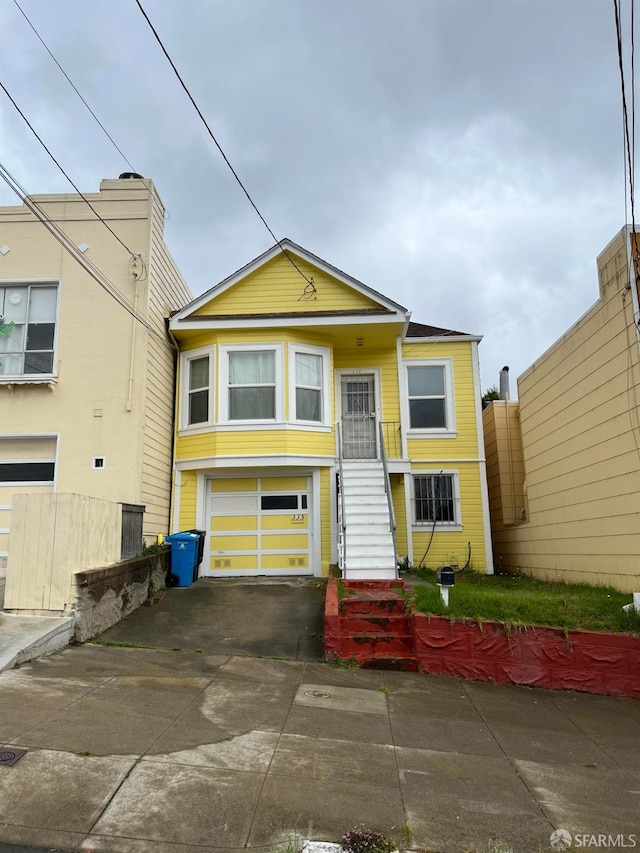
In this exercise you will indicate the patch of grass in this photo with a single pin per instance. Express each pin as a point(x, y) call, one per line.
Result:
point(116, 645)
point(343, 663)
point(523, 602)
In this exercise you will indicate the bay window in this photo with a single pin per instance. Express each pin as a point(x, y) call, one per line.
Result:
point(197, 387)
point(251, 383)
point(309, 385)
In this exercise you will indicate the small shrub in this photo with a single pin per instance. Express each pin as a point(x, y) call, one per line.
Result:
point(366, 841)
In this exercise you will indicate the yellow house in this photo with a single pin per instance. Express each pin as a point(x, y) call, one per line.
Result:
point(316, 424)
point(564, 460)
point(86, 387)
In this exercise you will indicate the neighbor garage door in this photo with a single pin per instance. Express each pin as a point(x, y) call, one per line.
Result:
point(259, 526)
point(27, 466)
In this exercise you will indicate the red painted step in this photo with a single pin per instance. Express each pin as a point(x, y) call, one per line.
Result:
point(376, 645)
point(374, 628)
point(383, 602)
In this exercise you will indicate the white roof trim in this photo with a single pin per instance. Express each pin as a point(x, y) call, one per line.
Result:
point(441, 339)
point(269, 255)
point(283, 322)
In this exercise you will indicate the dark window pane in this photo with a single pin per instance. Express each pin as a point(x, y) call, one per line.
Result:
point(426, 381)
point(252, 404)
point(434, 499)
point(279, 502)
point(40, 335)
point(26, 472)
point(38, 362)
point(199, 407)
point(427, 414)
point(303, 498)
point(308, 405)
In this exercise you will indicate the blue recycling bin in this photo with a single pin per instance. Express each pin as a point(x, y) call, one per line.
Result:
point(184, 557)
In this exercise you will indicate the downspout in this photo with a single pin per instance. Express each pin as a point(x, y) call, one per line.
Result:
point(135, 275)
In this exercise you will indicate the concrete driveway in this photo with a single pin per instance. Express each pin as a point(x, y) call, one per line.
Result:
point(217, 747)
point(281, 618)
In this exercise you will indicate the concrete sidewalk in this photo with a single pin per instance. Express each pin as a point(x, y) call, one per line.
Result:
point(26, 637)
point(132, 750)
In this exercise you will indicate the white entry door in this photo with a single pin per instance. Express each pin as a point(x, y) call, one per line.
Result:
point(358, 417)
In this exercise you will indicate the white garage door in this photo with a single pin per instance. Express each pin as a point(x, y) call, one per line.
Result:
point(258, 526)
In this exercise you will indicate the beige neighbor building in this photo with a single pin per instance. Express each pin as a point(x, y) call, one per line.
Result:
point(563, 463)
point(86, 389)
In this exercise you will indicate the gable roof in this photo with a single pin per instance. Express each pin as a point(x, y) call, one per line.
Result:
point(420, 330)
point(288, 248)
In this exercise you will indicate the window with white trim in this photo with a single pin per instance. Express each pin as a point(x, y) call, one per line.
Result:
point(435, 498)
point(198, 390)
point(27, 471)
point(28, 314)
point(430, 396)
point(251, 387)
point(309, 385)
point(197, 387)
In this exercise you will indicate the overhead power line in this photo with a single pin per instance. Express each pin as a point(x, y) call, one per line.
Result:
point(629, 136)
point(69, 246)
point(217, 144)
point(83, 197)
point(73, 86)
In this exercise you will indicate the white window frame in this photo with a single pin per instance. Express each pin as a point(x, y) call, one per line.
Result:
point(325, 395)
point(185, 358)
point(35, 378)
point(452, 526)
point(223, 383)
point(449, 430)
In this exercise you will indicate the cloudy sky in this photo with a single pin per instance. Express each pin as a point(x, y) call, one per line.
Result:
point(463, 157)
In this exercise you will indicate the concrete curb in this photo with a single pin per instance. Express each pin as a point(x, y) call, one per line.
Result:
point(26, 637)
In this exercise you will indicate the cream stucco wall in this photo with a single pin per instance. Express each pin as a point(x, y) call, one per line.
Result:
point(113, 388)
point(578, 412)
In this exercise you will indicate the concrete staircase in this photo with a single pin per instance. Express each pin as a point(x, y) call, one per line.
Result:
point(369, 552)
point(374, 628)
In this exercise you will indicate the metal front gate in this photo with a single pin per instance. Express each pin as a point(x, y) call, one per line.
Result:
point(358, 417)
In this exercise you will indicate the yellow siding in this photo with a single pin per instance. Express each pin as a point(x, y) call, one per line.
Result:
point(326, 532)
point(254, 442)
point(580, 447)
point(277, 287)
point(453, 546)
point(400, 511)
point(465, 445)
point(505, 463)
point(188, 501)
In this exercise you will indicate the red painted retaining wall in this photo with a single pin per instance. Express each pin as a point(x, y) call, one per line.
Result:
point(587, 661)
